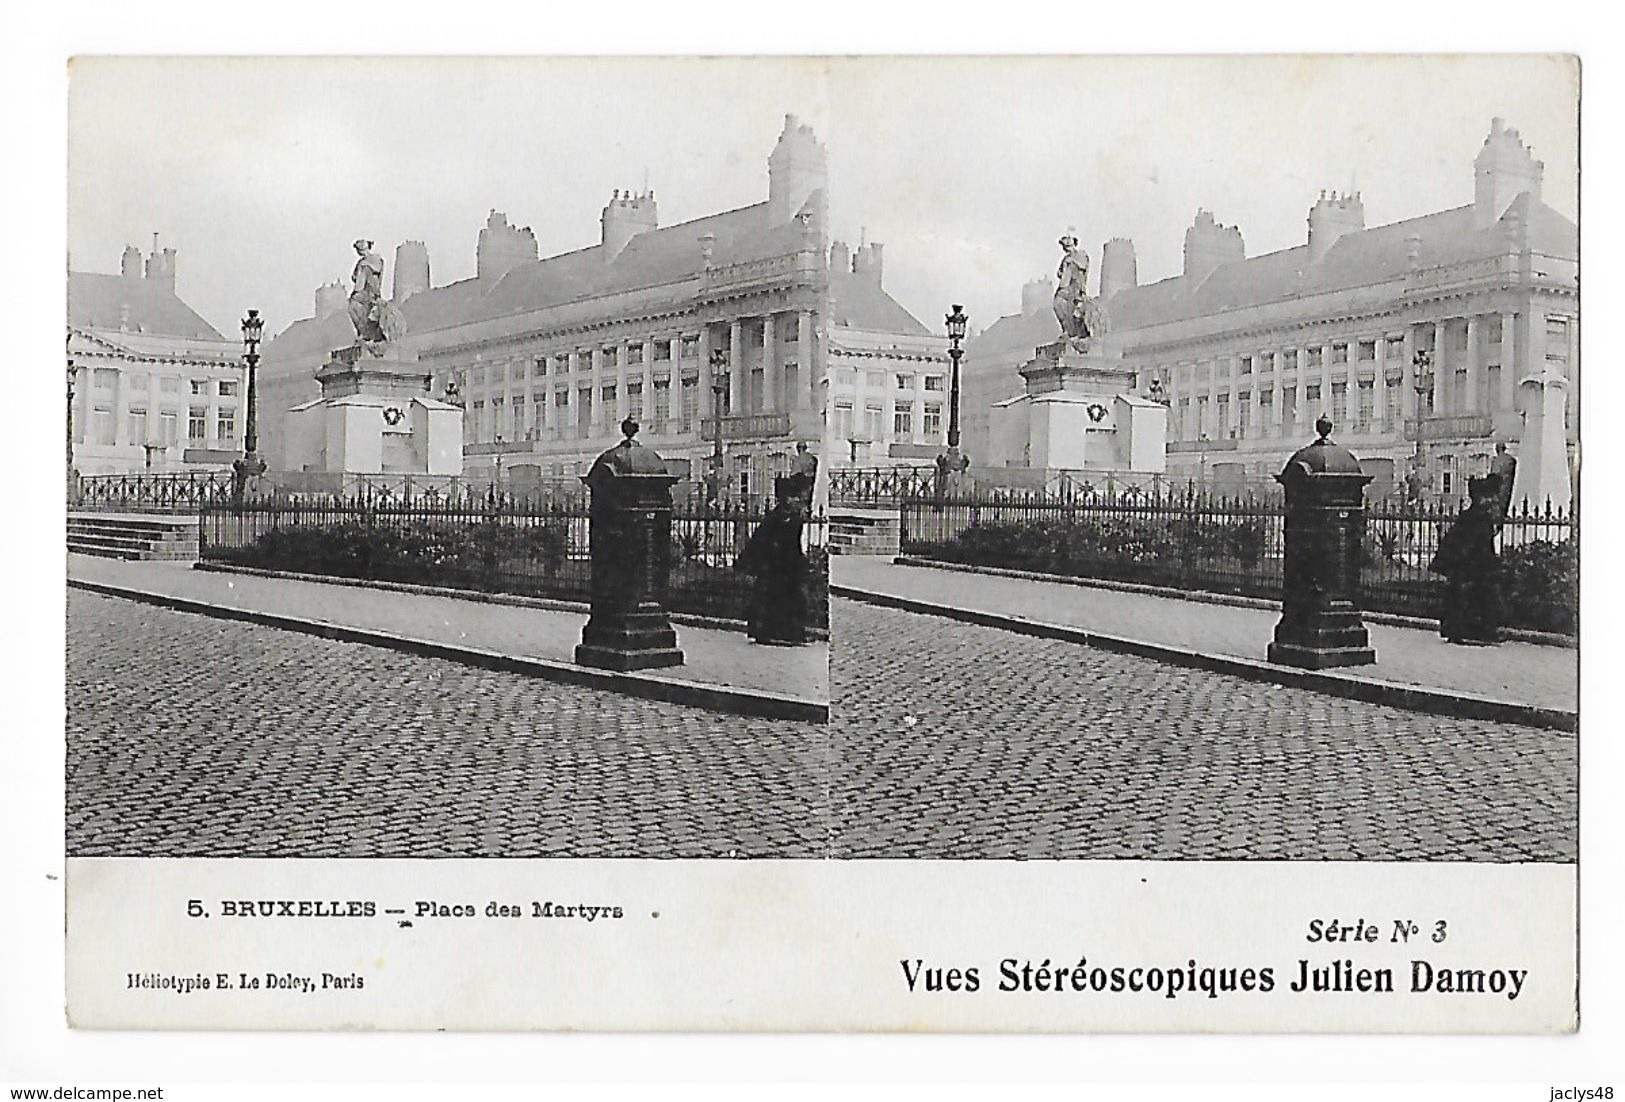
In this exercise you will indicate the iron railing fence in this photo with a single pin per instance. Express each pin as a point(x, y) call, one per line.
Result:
point(495, 543)
point(170, 492)
point(889, 486)
point(1198, 541)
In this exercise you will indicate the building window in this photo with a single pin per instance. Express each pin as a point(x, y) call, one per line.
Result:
point(200, 386)
point(520, 409)
point(102, 423)
point(169, 384)
point(225, 426)
point(933, 382)
point(1447, 475)
point(106, 378)
point(1366, 408)
point(1492, 386)
point(1340, 403)
point(197, 424)
point(662, 398)
point(1492, 328)
point(135, 428)
point(933, 420)
point(538, 367)
point(607, 395)
point(1246, 365)
point(902, 421)
point(875, 380)
point(1223, 414)
point(634, 399)
point(1266, 411)
point(1557, 340)
point(843, 420)
point(169, 428)
point(137, 382)
point(1244, 410)
point(1311, 396)
point(227, 388)
point(1289, 409)
point(905, 380)
point(1340, 353)
point(1368, 350)
point(873, 416)
point(1313, 358)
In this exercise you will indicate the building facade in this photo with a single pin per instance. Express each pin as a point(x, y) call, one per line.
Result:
point(158, 388)
point(888, 392)
point(716, 327)
point(1422, 340)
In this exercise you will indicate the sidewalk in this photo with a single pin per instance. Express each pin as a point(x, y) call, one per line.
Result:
point(723, 670)
point(1524, 675)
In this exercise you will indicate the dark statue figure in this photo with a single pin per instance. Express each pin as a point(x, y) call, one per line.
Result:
point(376, 321)
point(1467, 559)
point(774, 559)
point(1081, 317)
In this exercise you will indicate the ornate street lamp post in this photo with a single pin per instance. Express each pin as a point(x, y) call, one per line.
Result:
point(719, 395)
point(250, 465)
point(1422, 382)
point(73, 475)
point(950, 462)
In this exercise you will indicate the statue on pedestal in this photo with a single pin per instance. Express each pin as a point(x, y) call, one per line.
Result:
point(377, 322)
point(1081, 317)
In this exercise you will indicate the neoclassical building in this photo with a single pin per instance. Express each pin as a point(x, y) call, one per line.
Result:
point(1249, 351)
point(549, 355)
point(158, 388)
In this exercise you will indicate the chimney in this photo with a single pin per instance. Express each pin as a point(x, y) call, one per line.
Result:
point(840, 257)
point(502, 247)
point(1118, 268)
point(867, 262)
point(411, 270)
point(1504, 169)
point(796, 172)
point(331, 298)
point(1037, 295)
point(1331, 217)
point(624, 217)
point(1209, 244)
point(161, 266)
point(130, 263)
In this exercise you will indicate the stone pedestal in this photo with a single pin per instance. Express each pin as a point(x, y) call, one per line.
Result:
point(631, 548)
point(1081, 411)
point(1542, 478)
point(375, 416)
point(1320, 625)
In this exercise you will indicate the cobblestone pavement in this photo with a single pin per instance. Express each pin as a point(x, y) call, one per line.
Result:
point(189, 736)
point(1525, 673)
point(958, 741)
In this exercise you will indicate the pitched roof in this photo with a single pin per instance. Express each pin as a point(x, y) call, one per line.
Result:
point(112, 302)
point(1020, 333)
point(857, 301)
point(1357, 259)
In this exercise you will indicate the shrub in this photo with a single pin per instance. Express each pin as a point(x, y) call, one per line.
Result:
point(1541, 586)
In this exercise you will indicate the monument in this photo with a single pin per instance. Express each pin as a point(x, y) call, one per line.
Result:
point(1082, 409)
point(376, 414)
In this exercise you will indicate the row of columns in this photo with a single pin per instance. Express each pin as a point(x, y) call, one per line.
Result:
point(1223, 376)
point(589, 370)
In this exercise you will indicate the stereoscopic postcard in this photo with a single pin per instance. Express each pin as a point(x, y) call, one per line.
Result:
point(929, 544)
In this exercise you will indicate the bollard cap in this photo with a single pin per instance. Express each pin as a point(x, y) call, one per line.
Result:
point(1320, 458)
point(628, 458)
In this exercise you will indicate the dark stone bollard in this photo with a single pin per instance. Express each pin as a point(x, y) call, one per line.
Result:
point(631, 546)
point(1325, 507)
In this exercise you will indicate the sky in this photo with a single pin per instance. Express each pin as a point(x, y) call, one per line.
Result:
point(259, 172)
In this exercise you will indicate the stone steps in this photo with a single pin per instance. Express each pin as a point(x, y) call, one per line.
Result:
point(144, 537)
point(864, 534)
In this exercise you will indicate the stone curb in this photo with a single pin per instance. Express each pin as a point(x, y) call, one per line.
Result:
point(1206, 597)
point(1413, 698)
point(716, 698)
point(551, 604)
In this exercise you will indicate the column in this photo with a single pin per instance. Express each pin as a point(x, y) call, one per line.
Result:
point(623, 374)
point(595, 400)
point(707, 402)
point(1257, 400)
point(550, 417)
point(674, 390)
point(1407, 368)
point(573, 380)
point(770, 385)
point(1441, 370)
point(1509, 361)
point(1214, 430)
point(647, 413)
point(1379, 384)
point(806, 354)
point(1326, 382)
point(1470, 401)
point(1234, 416)
point(1302, 403)
point(1279, 418)
point(736, 367)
